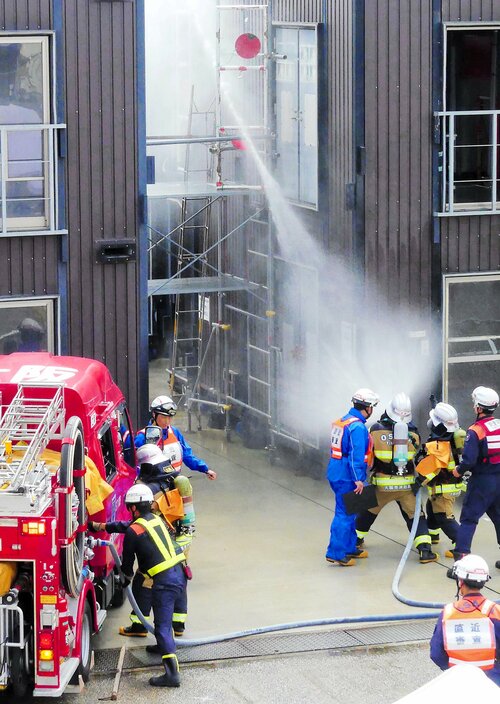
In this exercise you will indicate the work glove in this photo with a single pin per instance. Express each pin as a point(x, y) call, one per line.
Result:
point(94, 527)
point(416, 486)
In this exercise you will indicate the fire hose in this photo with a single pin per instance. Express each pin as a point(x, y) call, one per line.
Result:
point(263, 629)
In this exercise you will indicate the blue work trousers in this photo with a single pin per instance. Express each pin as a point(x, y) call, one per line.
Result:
point(167, 588)
point(482, 497)
point(144, 597)
point(343, 528)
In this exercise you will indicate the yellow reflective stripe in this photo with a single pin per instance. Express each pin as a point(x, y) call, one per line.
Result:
point(361, 533)
point(383, 454)
point(411, 454)
point(179, 618)
point(446, 488)
point(393, 481)
point(171, 558)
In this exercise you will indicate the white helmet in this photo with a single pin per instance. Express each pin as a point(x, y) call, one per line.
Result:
point(400, 408)
point(365, 397)
point(485, 397)
point(138, 494)
point(446, 415)
point(163, 405)
point(473, 569)
point(153, 462)
point(149, 453)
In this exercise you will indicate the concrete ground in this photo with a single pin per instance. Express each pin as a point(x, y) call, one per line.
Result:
point(258, 560)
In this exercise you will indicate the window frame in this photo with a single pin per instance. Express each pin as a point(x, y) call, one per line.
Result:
point(315, 26)
point(446, 118)
point(449, 280)
point(48, 224)
point(52, 315)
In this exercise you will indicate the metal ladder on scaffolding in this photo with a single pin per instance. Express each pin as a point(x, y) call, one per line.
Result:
point(189, 315)
point(26, 428)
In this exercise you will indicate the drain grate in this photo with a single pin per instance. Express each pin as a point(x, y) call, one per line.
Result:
point(106, 661)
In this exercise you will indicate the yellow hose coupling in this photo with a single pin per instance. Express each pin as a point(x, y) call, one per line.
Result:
point(270, 313)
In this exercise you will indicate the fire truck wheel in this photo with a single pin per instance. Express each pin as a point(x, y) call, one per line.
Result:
point(20, 674)
point(83, 668)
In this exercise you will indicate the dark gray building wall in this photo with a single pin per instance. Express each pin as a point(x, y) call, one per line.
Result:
point(470, 244)
point(100, 61)
point(398, 121)
point(100, 302)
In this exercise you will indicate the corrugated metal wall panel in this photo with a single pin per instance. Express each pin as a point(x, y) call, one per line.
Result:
point(28, 265)
point(102, 184)
point(398, 175)
point(471, 10)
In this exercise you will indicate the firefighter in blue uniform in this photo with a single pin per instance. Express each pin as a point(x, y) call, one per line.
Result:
point(480, 457)
point(160, 558)
point(170, 439)
point(350, 451)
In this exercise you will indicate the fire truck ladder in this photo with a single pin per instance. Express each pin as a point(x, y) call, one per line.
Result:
point(27, 426)
point(190, 307)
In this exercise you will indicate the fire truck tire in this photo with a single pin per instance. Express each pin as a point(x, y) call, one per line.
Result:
point(21, 677)
point(83, 668)
point(73, 458)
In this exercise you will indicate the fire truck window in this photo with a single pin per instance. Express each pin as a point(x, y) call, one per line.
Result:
point(126, 436)
point(108, 453)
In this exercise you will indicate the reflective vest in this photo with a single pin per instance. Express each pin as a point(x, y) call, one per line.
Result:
point(167, 554)
point(468, 632)
point(489, 428)
point(171, 447)
point(338, 427)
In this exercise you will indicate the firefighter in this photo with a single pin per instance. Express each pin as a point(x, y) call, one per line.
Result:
point(437, 459)
point(480, 457)
point(160, 558)
point(156, 472)
point(170, 439)
point(468, 630)
point(395, 443)
point(350, 453)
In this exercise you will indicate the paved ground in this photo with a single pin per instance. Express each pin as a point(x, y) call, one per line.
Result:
point(258, 560)
point(371, 677)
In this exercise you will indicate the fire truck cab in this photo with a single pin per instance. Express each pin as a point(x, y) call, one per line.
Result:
point(66, 452)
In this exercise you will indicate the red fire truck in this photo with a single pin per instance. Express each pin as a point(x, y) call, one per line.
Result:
point(65, 450)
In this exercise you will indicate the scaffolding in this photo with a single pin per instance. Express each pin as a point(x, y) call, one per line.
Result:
point(201, 278)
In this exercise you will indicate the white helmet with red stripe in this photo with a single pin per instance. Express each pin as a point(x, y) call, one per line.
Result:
point(399, 408)
point(472, 568)
point(485, 397)
point(365, 397)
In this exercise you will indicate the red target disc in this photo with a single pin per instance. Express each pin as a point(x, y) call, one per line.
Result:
point(247, 46)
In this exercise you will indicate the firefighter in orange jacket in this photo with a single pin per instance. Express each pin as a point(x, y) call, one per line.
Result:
point(438, 458)
point(468, 630)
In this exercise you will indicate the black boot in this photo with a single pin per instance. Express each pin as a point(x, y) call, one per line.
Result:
point(171, 677)
point(426, 554)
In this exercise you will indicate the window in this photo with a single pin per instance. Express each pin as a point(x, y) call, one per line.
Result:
point(126, 436)
point(108, 450)
point(472, 338)
point(27, 325)
point(297, 113)
point(27, 138)
point(470, 122)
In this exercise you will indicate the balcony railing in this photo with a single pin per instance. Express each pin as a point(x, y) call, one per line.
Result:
point(28, 180)
point(470, 179)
